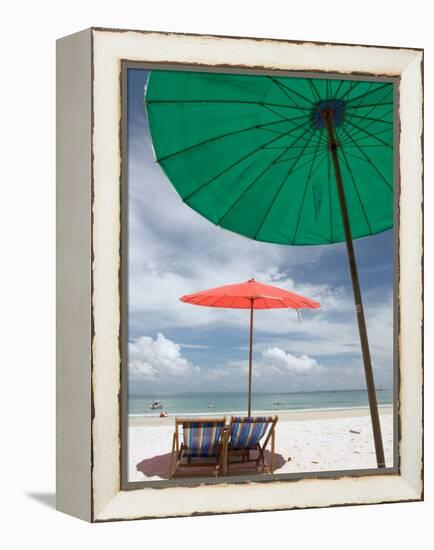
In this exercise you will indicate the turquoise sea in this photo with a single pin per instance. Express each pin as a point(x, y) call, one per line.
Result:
point(214, 403)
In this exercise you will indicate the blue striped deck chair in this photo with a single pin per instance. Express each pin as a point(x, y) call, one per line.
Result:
point(246, 434)
point(201, 443)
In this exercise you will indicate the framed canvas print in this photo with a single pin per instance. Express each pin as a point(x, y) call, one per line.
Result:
point(239, 274)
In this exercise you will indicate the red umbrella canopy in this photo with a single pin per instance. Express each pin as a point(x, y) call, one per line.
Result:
point(248, 294)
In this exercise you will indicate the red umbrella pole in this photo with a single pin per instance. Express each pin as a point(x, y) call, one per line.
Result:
point(250, 357)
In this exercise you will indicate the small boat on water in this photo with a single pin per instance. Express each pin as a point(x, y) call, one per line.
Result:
point(156, 405)
point(277, 402)
point(210, 404)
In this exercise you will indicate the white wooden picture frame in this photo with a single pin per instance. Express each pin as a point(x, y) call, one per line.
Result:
point(89, 176)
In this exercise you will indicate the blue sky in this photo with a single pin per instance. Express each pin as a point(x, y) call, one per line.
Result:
point(174, 251)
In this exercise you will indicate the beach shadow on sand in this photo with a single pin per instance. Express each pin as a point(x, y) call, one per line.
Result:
point(158, 466)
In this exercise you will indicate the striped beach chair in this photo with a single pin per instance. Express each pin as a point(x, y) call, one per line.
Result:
point(244, 435)
point(201, 443)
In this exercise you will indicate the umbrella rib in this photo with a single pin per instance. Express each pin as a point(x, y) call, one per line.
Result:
point(383, 97)
point(352, 86)
point(362, 96)
point(234, 101)
point(377, 89)
point(292, 304)
point(201, 301)
point(291, 169)
point(301, 96)
point(369, 133)
point(313, 89)
point(188, 197)
point(295, 156)
point(235, 298)
point(373, 119)
point(216, 300)
point(273, 111)
point(285, 146)
point(300, 165)
point(369, 112)
point(369, 161)
point(266, 302)
point(309, 177)
point(353, 133)
point(215, 138)
point(357, 132)
point(368, 105)
point(300, 147)
point(246, 190)
point(280, 122)
point(280, 134)
point(357, 190)
point(283, 89)
point(284, 134)
point(338, 88)
point(353, 155)
point(345, 142)
point(286, 119)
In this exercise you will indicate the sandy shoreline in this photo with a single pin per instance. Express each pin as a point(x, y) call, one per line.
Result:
point(306, 441)
point(284, 416)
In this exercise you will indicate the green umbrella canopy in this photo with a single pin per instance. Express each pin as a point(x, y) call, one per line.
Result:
point(250, 153)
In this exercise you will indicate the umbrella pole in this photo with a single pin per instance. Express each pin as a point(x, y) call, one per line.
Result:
point(375, 419)
point(250, 358)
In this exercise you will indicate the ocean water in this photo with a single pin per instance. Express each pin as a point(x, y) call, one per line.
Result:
point(197, 403)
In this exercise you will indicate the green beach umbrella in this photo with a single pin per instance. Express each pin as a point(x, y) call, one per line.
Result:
point(286, 160)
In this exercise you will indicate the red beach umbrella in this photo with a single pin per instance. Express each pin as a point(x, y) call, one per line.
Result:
point(249, 295)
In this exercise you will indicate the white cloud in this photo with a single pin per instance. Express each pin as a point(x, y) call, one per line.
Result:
point(194, 346)
point(287, 363)
point(158, 359)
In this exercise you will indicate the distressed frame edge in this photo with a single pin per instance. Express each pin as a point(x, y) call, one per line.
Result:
point(256, 39)
point(73, 276)
point(102, 516)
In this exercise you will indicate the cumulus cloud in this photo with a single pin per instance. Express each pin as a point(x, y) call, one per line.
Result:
point(158, 359)
point(288, 363)
point(277, 366)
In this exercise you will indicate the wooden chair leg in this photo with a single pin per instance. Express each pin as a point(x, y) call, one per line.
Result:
point(174, 469)
point(172, 457)
point(262, 458)
point(178, 457)
point(273, 441)
point(224, 454)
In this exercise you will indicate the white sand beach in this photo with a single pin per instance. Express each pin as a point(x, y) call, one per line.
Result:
point(306, 441)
